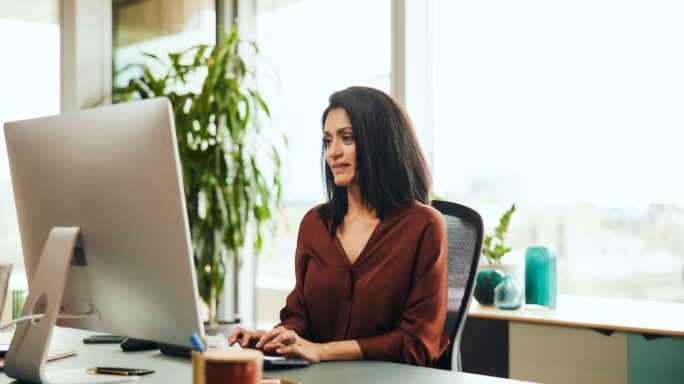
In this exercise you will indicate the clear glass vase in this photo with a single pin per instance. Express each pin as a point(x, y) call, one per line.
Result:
point(507, 295)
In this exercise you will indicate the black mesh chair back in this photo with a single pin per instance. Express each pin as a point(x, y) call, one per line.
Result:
point(465, 231)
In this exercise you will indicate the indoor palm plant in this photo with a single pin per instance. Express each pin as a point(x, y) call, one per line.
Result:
point(230, 170)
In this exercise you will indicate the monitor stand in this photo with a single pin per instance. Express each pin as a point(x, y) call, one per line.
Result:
point(26, 356)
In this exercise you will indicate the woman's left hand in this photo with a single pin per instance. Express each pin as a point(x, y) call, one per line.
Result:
point(287, 343)
point(277, 337)
point(303, 349)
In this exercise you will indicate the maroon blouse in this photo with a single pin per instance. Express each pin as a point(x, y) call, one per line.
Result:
point(392, 300)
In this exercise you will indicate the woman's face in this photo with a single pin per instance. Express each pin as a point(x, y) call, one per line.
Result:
point(340, 149)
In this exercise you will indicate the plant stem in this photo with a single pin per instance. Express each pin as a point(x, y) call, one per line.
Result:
point(213, 307)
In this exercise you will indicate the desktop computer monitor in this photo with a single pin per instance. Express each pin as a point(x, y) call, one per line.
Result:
point(114, 173)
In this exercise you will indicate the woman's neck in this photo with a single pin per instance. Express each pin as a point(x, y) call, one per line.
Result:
point(355, 206)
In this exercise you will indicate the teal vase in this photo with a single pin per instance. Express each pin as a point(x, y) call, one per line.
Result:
point(485, 282)
point(507, 295)
point(540, 277)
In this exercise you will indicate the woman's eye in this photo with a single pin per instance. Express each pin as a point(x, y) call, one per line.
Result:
point(347, 139)
point(326, 142)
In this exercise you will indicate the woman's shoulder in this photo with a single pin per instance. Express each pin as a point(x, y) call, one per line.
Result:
point(423, 213)
point(314, 216)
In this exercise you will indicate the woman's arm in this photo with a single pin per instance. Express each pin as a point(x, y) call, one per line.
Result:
point(337, 350)
point(341, 350)
point(293, 315)
point(289, 344)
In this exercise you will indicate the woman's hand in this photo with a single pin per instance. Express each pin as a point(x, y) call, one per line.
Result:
point(245, 337)
point(304, 350)
point(277, 337)
point(287, 343)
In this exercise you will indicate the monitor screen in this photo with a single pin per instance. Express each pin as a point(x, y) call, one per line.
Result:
point(113, 172)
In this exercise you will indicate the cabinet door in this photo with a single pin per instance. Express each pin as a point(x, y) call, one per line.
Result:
point(554, 354)
point(658, 360)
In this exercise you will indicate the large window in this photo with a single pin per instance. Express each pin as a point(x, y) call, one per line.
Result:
point(573, 111)
point(310, 49)
point(29, 87)
point(158, 27)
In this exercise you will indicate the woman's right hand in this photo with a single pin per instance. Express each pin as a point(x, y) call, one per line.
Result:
point(245, 337)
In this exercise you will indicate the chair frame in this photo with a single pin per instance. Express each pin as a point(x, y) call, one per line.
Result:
point(473, 218)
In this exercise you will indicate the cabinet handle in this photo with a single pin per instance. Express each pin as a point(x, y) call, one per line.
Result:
point(606, 332)
point(650, 336)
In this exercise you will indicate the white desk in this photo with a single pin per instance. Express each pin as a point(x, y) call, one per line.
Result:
point(582, 340)
point(612, 314)
point(177, 370)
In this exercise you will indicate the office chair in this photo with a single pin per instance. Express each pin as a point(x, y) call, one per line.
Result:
point(465, 231)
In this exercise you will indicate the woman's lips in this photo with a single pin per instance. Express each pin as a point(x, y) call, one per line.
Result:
point(339, 168)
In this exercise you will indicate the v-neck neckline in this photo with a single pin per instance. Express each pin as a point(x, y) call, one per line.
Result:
point(389, 218)
point(343, 252)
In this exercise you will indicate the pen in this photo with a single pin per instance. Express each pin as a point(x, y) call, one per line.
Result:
point(111, 371)
point(197, 342)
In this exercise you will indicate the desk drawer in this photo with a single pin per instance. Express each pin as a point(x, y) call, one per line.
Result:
point(556, 354)
point(658, 360)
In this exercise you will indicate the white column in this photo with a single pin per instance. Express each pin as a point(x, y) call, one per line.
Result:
point(86, 63)
point(418, 76)
point(245, 11)
point(398, 70)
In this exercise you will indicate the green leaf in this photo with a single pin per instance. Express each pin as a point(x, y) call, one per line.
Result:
point(493, 246)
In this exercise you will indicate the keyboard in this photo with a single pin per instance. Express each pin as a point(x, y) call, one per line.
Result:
point(272, 363)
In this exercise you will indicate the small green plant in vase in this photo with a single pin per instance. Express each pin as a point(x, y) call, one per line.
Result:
point(493, 248)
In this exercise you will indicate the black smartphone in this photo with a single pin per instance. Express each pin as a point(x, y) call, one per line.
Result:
point(104, 339)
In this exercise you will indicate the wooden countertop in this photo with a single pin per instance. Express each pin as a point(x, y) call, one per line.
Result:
point(652, 317)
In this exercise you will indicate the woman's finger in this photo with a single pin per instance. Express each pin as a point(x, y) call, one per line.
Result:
point(288, 337)
point(235, 335)
point(246, 338)
point(272, 347)
point(291, 351)
point(269, 336)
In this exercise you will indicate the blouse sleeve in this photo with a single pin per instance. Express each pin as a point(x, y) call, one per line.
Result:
point(293, 315)
point(419, 338)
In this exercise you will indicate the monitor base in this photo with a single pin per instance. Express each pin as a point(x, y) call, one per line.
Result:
point(27, 354)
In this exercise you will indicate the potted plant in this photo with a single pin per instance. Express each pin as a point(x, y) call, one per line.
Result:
point(231, 172)
point(493, 248)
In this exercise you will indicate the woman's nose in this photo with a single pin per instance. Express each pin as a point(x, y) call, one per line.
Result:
point(335, 149)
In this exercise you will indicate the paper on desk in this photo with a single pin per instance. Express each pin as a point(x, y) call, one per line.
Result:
point(6, 337)
point(80, 376)
point(219, 342)
point(53, 354)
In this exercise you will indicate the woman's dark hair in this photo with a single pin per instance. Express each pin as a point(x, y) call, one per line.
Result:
point(390, 168)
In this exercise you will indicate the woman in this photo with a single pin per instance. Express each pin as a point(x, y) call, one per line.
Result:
point(371, 272)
